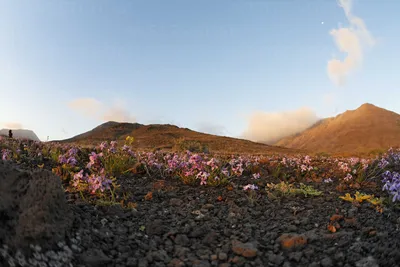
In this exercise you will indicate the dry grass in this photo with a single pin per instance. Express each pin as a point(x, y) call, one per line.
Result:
point(164, 137)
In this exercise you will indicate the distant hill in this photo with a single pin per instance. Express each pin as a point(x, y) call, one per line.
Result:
point(355, 131)
point(21, 134)
point(164, 136)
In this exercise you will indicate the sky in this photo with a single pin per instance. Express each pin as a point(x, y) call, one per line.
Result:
point(253, 69)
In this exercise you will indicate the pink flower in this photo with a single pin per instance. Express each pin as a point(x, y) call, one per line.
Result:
point(250, 186)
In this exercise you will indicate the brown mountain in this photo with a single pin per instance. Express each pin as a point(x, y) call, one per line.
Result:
point(357, 131)
point(165, 136)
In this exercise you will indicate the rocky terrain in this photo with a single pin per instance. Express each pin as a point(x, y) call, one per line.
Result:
point(182, 225)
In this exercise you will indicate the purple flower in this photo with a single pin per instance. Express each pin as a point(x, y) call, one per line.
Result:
point(348, 177)
point(94, 159)
point(256, 175)
point(72, 152)
point(250, 186)
point(103, 145)
point(72, 161)
point(77, 178)
point(391, 182)
point(62, 159)
point(6, 154)
point(203, 176)
point(225, 172)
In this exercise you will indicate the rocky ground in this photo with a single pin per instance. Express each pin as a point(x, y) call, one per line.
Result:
point(183, 225)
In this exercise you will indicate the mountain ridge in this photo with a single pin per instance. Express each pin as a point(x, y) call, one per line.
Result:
point(364, 129)
point(21, 134)
point(165, 136)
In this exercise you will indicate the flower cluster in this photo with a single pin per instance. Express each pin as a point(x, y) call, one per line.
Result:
point(391, 182)
point(69, 158)
point(5, 154)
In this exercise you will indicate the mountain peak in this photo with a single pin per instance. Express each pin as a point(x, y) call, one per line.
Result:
point(361, 130)
point(367, 106)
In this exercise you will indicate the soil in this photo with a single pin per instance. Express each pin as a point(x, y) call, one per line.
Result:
point(181, 225)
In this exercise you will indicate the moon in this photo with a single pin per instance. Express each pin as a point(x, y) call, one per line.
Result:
point(322, 22)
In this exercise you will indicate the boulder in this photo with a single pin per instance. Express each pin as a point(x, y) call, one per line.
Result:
point(33, 208)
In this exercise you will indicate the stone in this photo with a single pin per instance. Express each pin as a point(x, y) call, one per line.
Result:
point(176, 263)
point(367, 262)
point(222, 256)
point(292, 241)
point(326, 262)
point(33, 207)
point(182, 240)
point(175, 202)
point(247, 250)
point(94, 257)
point(155, 227)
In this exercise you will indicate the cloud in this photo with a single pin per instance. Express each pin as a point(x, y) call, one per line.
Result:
point(88, 107)
point(211, 128)
point(118, 114)
point(13, 125)
point(269, 127)
point(95, 109)
point(349, 40)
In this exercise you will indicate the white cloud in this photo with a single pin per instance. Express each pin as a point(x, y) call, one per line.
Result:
point(350, 40)
point(118, 114)
point(88, 107)
point(269, 127)
point(95, 109)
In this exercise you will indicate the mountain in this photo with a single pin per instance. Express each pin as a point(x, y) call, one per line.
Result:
point(21, 134)
point(164, 136)
point(362, 130)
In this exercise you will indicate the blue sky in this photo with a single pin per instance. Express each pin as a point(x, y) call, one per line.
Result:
point(233, 67)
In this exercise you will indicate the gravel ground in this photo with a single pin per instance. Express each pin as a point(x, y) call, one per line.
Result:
point(204, 226)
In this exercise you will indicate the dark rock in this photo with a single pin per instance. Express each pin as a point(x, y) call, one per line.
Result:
point(367, 262)
point(326, 262)
point(222, 256)
point(197, 232)
point(210, 238)
point(182, 240)
point(175, 202)
point(176, 263)
point(131, 262)
point(201, 263)
point(143, 263)
point(155, 227)
point(32, 207)
point(160, 255)
point(296, 256)
point(276, 259)
point(94, 257)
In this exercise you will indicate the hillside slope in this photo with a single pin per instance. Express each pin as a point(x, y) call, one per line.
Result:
point(165, 136)
point(21, 134)
point(354, 131)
